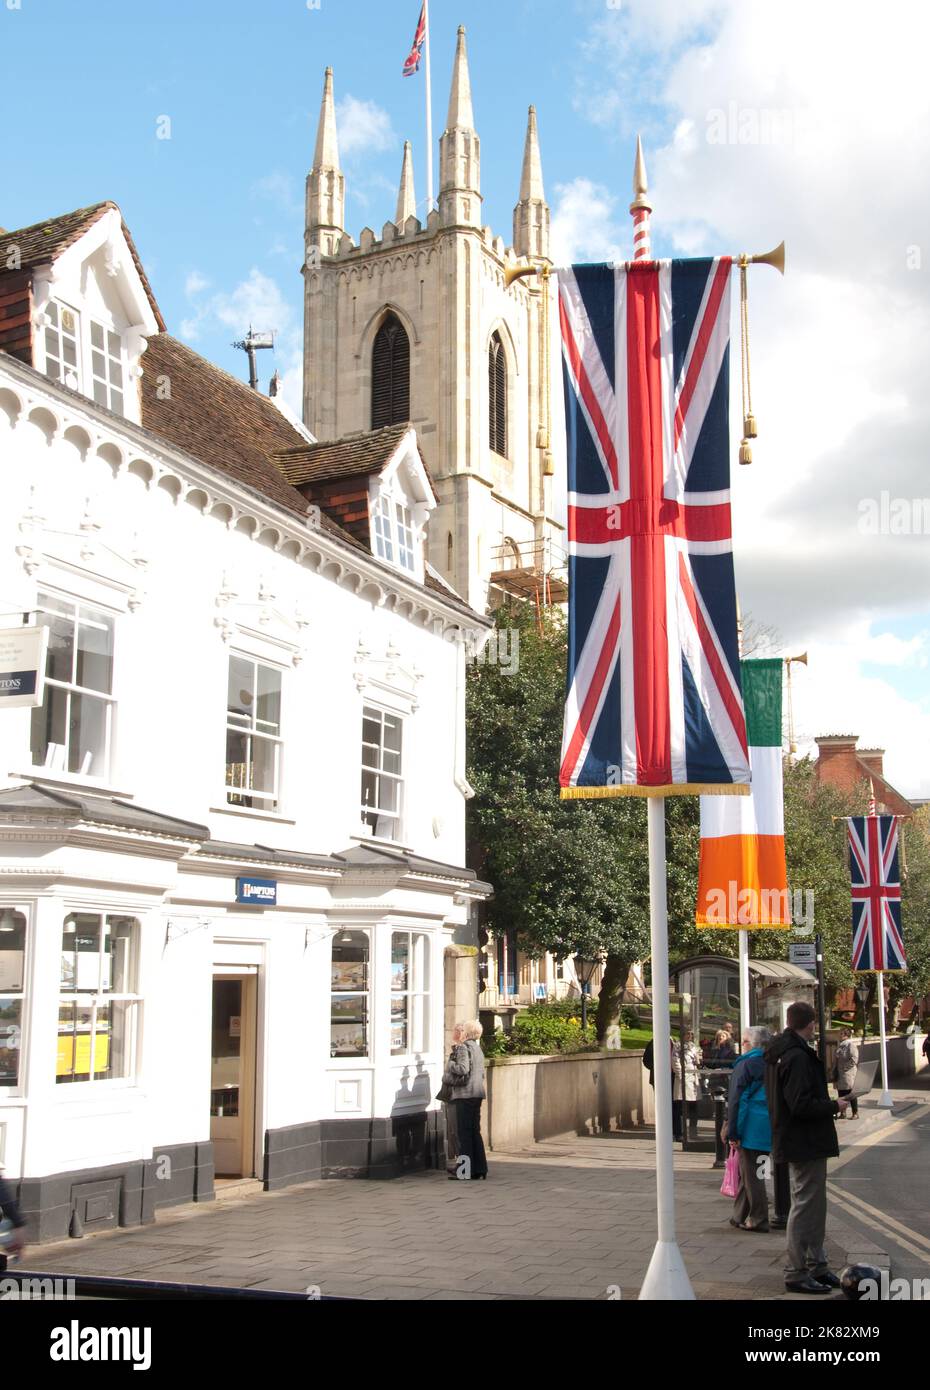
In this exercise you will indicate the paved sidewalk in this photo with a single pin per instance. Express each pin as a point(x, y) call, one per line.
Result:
point(571, 1218)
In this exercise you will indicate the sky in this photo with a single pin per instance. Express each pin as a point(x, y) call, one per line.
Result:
point(761, 122)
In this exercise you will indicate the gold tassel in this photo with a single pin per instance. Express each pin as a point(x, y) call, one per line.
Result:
point(749, 420)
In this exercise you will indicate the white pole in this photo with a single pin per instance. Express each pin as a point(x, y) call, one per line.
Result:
point(666, 1278)
point(886, 1100)
point(744, 1019)
point(429, 119)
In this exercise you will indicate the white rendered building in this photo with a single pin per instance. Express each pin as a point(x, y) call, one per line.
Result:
point(235, 920)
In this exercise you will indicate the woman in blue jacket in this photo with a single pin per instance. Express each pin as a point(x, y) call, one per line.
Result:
point(749, 1129)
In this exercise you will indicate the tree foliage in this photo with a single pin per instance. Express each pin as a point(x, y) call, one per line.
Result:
point(572, 876)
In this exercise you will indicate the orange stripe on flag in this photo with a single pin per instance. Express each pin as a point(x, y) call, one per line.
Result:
point(741, 882)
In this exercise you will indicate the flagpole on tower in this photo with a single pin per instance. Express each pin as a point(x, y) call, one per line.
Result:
point(429, 117)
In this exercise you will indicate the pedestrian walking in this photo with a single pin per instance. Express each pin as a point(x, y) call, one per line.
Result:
point(12, 1226)
point(845, 1067)
point(650, 1065)
point(687, 1059)
point(804, 1137)
point(464, 1074)
point(749, 1130)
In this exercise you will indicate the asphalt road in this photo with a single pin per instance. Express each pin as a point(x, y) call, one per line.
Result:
point(884, 1187)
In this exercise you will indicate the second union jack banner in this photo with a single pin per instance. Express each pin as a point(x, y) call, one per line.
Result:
point(876, 893)
point(654, 705)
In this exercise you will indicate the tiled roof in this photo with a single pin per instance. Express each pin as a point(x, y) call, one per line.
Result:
point(221, 421)
point(363, 453)
point(44, 241)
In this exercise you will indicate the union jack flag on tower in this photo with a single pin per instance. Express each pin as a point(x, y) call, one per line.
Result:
point(654, 704)
point(412, 61)
point(876, 893)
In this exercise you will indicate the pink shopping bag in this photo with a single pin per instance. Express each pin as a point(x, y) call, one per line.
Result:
point(730, 1185)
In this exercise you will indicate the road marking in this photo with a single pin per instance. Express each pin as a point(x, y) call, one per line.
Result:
point(876, 1225)
point(845, 1196)
point(854, 1150)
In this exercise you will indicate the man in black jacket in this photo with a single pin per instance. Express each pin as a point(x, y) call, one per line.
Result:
point(804, 1137)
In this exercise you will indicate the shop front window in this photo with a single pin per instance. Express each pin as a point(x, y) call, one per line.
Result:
point(350, 995)
point(12, 985)
point(409, 993)
point(97, 1007)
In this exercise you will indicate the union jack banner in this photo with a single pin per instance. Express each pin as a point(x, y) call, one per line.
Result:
point(876, 893)
point(412, 64)
point(654, 705)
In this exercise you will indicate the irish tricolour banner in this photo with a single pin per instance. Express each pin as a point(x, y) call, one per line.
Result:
point(742, 880)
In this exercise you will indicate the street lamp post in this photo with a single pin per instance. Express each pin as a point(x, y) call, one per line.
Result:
point(585, 967)
point(862, 994)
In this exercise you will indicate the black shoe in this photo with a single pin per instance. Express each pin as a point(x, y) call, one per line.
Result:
point(779, 1223)
point(829, 1278)
point(808, 1285)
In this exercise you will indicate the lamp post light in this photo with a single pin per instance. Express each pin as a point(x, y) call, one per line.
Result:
point(585, 967)
point(862, 994)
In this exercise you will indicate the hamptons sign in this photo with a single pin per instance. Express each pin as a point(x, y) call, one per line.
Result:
point(22, 666)
point(260, 891)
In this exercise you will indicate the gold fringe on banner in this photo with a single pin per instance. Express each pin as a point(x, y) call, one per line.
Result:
point(675, 789)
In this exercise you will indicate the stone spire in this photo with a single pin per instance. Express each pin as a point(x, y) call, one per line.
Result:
point(326, 186)
point(531, 215)
point(460, 151)
point(406, 200)
point(460, 112)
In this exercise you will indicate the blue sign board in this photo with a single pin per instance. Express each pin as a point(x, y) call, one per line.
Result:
point(257, 892)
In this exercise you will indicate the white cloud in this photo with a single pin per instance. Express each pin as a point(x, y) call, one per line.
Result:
point(195, 284)
point(363, 127)
point(584, 227)
point(257, 302)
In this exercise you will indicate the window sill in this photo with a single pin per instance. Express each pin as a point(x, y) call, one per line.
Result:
point(383, 843)
point(72, 780)
point(251, 814)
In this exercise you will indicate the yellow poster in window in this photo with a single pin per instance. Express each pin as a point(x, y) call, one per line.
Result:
point(81, 1066)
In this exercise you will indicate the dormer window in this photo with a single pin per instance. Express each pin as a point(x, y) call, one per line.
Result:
point(106, 363)
point(63, 345)
point(394, 532)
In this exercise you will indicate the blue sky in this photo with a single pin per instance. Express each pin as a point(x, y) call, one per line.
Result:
point(241, 84)
point(756, 128)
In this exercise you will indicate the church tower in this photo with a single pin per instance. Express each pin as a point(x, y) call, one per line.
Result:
point(418, 322)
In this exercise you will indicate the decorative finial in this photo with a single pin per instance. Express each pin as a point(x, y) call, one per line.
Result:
point(640, 186)
point(640, 208)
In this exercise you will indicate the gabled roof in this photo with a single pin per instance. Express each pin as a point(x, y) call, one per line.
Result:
point(43, 242)
point(366, 452)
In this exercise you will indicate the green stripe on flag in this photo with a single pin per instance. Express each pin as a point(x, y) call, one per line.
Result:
point(762, 701)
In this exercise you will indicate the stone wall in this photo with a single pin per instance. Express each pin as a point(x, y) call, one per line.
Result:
point(532, 1098)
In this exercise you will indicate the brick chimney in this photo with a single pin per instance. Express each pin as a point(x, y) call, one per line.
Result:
point(838, 763)
point(873, 759)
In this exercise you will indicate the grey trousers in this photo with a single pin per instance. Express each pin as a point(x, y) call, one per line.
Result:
point(752, 1203)
point(807, 1220)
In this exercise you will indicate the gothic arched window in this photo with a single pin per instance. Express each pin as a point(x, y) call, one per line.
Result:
point(497, 396)
point(390, 375)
